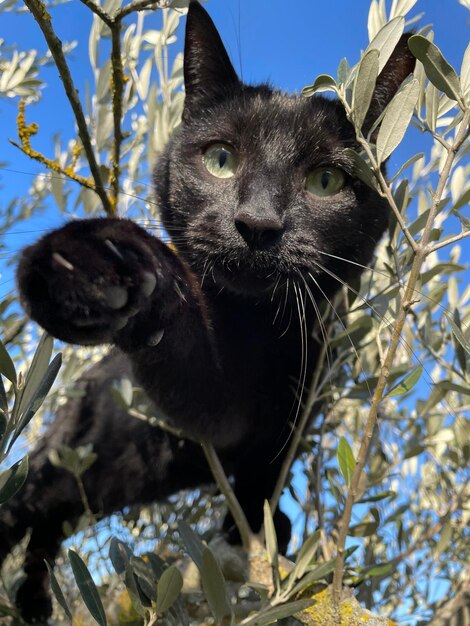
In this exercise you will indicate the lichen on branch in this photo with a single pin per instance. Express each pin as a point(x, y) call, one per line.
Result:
point(25, 132)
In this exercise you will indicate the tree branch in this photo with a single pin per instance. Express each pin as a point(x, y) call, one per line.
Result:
point(450, 609)
point(44, 21)
point(405, 304)
point(139, 5)
point(247, 536)
point(448, 242)
point(117, 91)
point(97, 10)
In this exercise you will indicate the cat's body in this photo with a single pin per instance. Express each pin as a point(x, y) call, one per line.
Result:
point(218, 335)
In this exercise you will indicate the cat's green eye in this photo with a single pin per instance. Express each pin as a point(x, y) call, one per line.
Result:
point(325, 181)
point(220, 160)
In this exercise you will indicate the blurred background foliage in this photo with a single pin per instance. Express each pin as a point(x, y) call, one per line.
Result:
point(410, 526)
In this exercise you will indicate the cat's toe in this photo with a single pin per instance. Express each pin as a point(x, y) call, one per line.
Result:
point(148, 284)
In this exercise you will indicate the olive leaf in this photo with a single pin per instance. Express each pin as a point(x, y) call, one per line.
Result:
point(441, 74)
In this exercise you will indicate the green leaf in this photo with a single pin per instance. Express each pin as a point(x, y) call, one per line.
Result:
point(169, 587)
point(3, 424)
point(377, 497)
point(396, 119)
point(354, 332)
point(37, 370)
point(119, 555)
point(7, 367)
point(270, 534)
point(344, 71)
point(192, 543)
point(432, 105)
point(38, 397)
point(12, 479)
point(386, 39)
point(144, 577)
point(444, 539)
point(7, 611)
point(410, 161)
point(3, 397)
point(462, 201)
point(306, 555)
point(346, 460)
point(407, 383)
point(362, 168)
point(441, 74)
point(364, 86)
point(324, 82)
point(157, 564)
point(458, 334)
point(364, 529)
point(57, 591)
point(213, 583)
point(314, 575)
point(276, 613)
point(465, 74)
point(87, 588)
point(138, 598)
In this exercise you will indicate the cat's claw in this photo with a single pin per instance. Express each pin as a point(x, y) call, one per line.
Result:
point(62, 261)
point(84, 282)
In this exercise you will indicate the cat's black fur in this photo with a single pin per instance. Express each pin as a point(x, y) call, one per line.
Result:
point(213, 333)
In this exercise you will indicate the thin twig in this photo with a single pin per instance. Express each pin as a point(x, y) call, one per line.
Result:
point(433, 530)
point(235, 509)
point(313, 394)
point(385, 190)
point(117, 91)
point(449, 610)
point(99, 11)
point(405, 304)
point(447, 242)
point(44, 21)
point(139, 5)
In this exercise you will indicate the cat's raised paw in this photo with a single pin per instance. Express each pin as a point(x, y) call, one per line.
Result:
point(85, 281)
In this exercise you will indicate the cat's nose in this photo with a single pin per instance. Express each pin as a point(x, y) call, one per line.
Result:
point(259, 229)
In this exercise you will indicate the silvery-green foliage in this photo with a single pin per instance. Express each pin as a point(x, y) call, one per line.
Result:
point(410, 522)
point(415, 491)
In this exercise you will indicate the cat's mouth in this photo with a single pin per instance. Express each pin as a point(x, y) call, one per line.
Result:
point(253, 276)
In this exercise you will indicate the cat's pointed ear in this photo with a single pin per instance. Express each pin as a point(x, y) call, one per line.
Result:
point(209, 76)
point(398, 67)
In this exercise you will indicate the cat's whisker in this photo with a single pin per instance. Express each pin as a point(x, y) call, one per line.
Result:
point(412, 353)
point(276, 284)
point(386, 275)
point(338, 317)
point(321, 324)
point(297, 406)
point(204, 272)
point(367, 302)
point(286, 299)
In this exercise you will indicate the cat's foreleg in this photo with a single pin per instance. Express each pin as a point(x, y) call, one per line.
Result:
point(109, 281)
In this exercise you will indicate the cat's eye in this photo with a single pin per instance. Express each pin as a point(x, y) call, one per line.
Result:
point(220, 160)
point(325, 181)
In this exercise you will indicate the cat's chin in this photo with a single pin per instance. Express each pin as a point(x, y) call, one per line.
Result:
point(246, 283)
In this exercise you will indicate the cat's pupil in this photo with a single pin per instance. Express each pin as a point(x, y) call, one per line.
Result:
point(325, 179)
point(222, 158)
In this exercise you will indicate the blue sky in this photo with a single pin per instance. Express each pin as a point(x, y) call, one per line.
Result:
point(285, 42)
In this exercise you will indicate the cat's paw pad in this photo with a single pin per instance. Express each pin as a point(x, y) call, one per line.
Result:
point(85, 281)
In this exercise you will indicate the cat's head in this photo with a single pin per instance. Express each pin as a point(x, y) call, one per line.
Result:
point(257, 185)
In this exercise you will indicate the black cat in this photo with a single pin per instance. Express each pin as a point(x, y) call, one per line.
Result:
point(258, 195)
